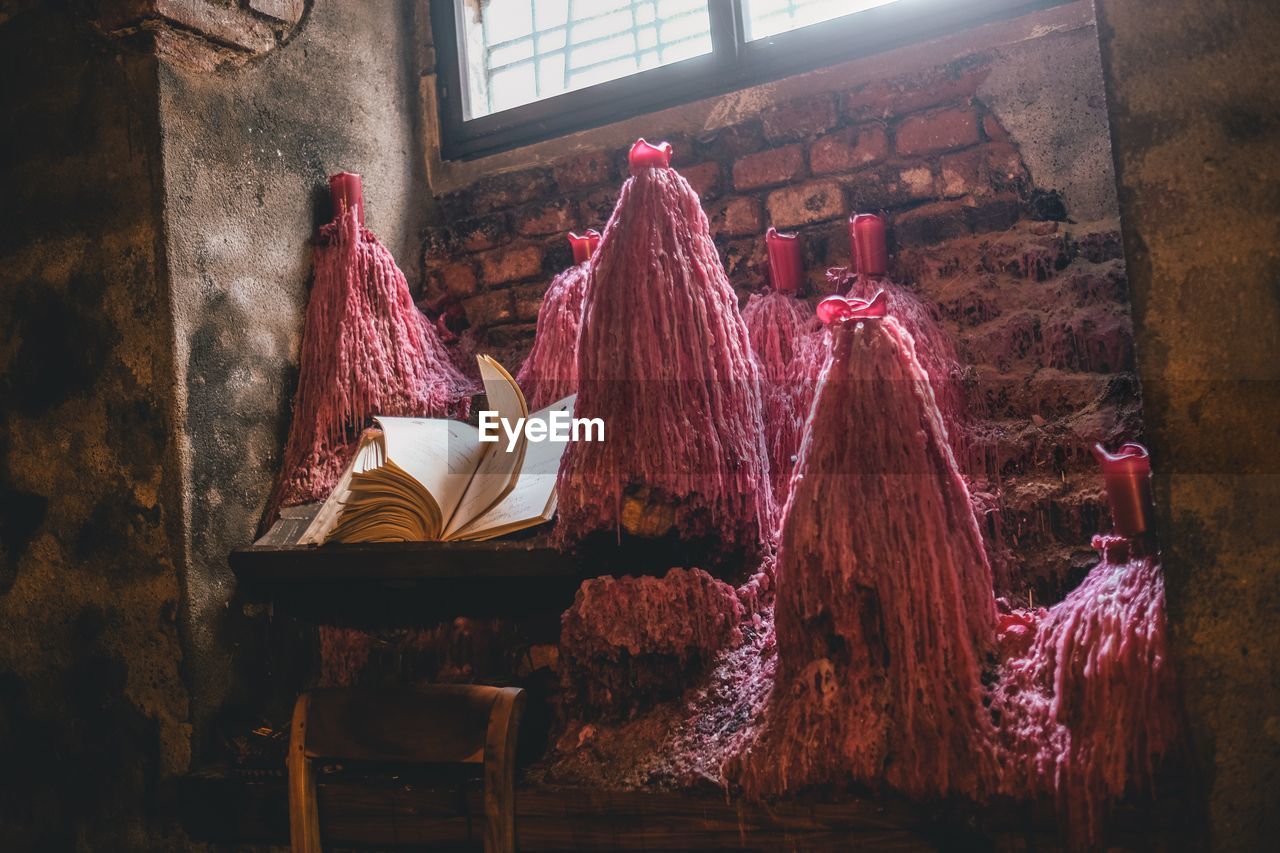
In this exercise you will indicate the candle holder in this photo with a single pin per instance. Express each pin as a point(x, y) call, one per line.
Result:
point(645, 156)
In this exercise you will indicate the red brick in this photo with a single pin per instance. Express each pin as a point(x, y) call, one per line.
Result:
point(800, 119)
point(883, 187)
point(483, 232)
point(903, 95)
point(459, 278)
point(848, 149)
point(996, 213)
point(488, 309)
point(930, 224)
point(519, 335)
point(940, 130)
point(805, 203)
point(1005, 169)
point(745, 261)
point(704, 178)
point(549, 218)
point(769, 168)
point(732, 141)
point(964, 173)
point(596, 208)
point(994, 130)
point(528, 301)
point(510, 264)
point(503, 191)
point(735, 216)
point(588, 169)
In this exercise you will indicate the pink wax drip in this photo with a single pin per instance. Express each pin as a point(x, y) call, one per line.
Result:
point(664, 358)
point(778, 324)
point(550, 372)
point(1088, 710)
point(884, 607)
point(366, 350)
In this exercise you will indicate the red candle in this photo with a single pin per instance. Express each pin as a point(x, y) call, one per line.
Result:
point(346, 192)
point(1127, 474)
point(584, 246)
point(872, 254)
point(853, 245)
point(786, 268)
point(646, 156)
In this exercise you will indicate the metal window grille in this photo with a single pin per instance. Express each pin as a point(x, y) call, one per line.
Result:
point(557, 46)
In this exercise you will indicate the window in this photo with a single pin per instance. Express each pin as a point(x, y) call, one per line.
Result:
point(513, 72)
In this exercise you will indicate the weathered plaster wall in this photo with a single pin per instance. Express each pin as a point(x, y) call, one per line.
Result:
point(1196, 128)
point(247, 152)
point(93, 708)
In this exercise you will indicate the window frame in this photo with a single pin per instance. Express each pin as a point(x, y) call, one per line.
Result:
point(733, 63)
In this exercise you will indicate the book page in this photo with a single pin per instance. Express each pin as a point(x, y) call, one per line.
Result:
point(533, 499)
point(498, 468)
point(440, 455)
point(368, 457)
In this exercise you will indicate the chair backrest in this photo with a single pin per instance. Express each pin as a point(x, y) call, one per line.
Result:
point(471, 724)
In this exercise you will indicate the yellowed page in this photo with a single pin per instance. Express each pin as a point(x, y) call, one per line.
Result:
point(533, 499)
point(440, 455)
point(499, 468)
point(367, 457)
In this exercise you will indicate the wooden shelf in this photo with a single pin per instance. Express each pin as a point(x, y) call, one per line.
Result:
point(410, 582)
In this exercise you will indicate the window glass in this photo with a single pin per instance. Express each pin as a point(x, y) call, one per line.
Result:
point(764, 18)
point(520, 51)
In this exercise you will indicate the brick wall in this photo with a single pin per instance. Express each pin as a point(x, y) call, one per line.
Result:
point(1037, 303)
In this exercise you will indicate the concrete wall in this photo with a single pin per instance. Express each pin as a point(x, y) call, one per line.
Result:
point(247, 151)
point(93, 707)
point(1196, 125)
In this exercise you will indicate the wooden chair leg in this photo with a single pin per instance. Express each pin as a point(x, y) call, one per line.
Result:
point(499, 772)
point(304, 811)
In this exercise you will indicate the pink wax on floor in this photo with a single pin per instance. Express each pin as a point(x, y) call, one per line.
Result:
point(665, 360)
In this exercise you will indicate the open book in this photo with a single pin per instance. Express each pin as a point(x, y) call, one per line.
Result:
point(429, 479)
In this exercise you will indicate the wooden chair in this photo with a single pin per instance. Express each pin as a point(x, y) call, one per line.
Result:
point(470, 724)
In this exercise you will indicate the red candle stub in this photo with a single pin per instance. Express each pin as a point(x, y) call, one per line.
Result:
point(853, 245)
point(584, 245)
point(346, 192)
point(869, 247)
point(1127, 474)
point(786, 267)
point(646, 156)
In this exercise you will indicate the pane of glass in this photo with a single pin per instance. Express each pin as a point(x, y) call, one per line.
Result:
point(520, 51)
point(766, 18)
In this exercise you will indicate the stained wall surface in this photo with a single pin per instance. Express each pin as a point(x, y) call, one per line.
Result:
point(247, 152)
point(93, 705)
point(1196, 122)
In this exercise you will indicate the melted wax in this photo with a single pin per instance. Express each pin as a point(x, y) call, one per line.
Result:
point(1089, 704)
point(550, 373)
point(366, 350)
point(664, 359)
point(884, 606)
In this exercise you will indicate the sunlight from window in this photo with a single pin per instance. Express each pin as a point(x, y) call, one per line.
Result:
point(521, 51)
point(764, 18)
